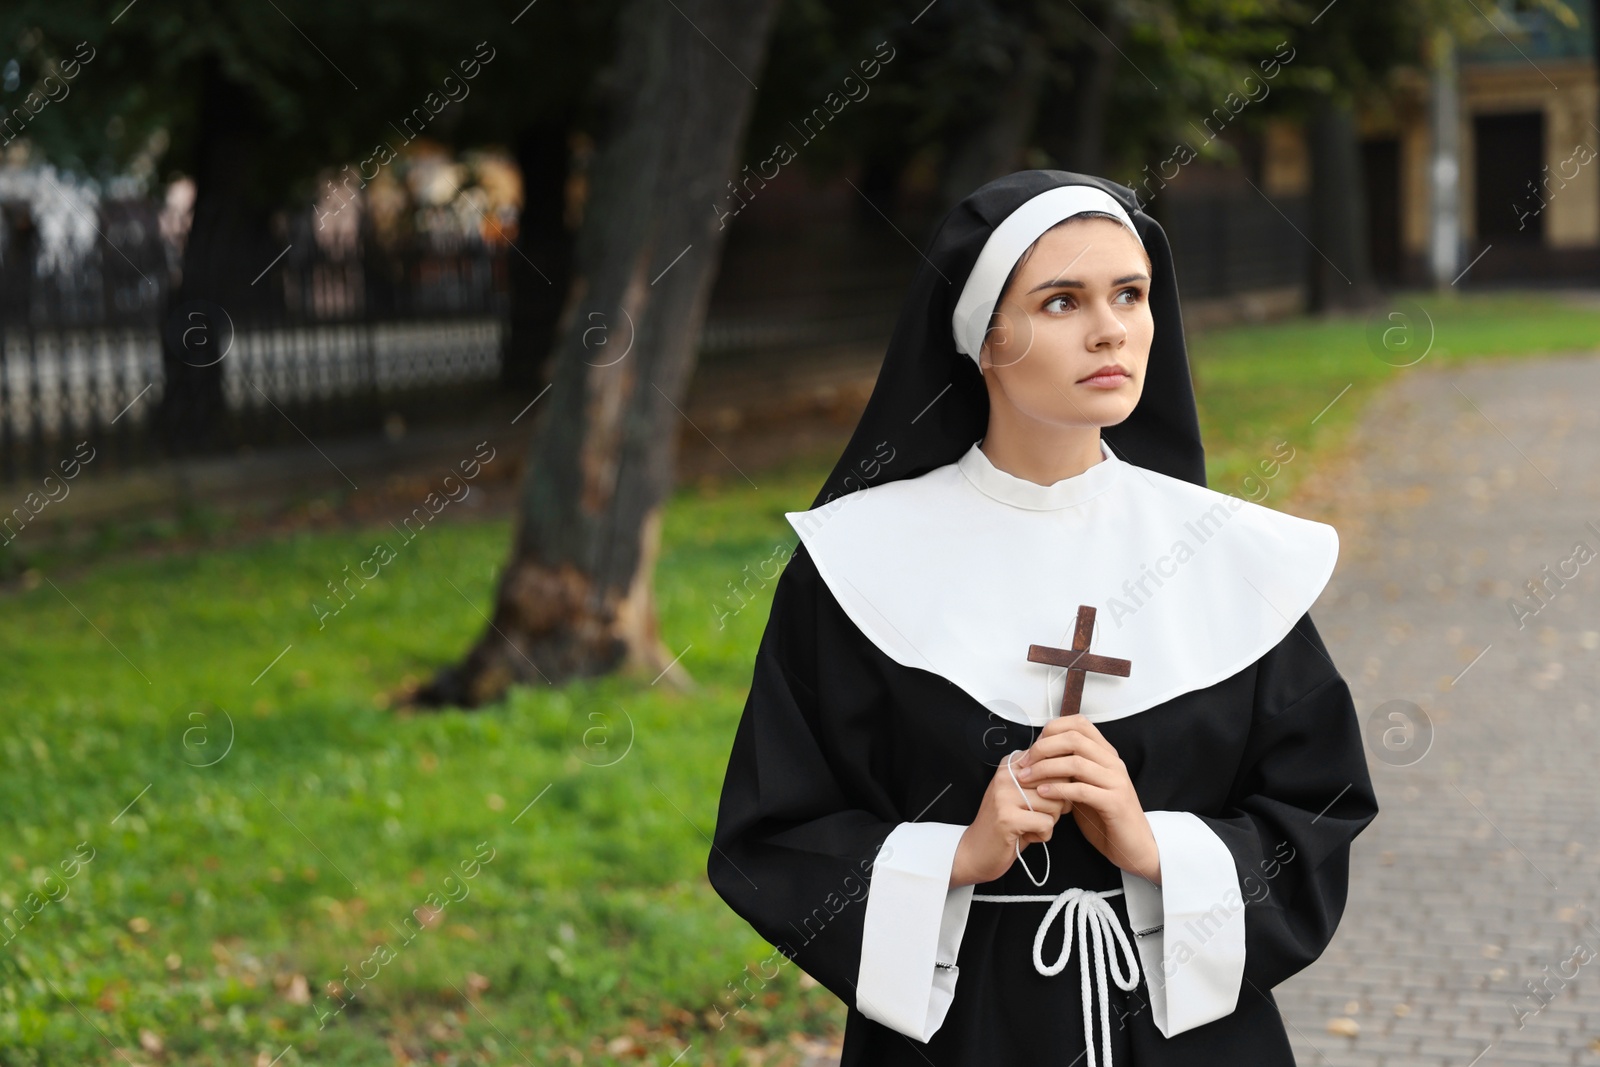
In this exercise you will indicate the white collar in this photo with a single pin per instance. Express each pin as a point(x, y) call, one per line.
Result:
point(1007, 488)
point(957, 571)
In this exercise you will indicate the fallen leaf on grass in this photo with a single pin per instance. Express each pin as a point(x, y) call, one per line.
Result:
point(297, 990)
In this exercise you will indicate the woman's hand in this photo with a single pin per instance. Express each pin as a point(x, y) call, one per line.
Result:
point(1072, 761)
point(1004, 826)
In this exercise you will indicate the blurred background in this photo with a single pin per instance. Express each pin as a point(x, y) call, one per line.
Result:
point(398, 406)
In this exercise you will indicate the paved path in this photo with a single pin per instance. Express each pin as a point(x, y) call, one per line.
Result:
point(1484, 862)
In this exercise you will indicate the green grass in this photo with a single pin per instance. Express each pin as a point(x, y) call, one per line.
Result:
point(1261, 385)
point(331, 818)
point(301, 850)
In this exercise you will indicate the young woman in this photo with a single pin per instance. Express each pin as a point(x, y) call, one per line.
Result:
point(1029, 690)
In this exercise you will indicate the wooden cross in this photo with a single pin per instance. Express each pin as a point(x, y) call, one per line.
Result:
point(1078, 659)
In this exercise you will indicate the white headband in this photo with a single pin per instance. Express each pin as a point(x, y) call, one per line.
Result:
point(1007, 243)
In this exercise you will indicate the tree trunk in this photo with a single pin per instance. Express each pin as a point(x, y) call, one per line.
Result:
point(1340, 261)
point(994, 146)
point(576, 597)
point(230, 240)
point(1094, 91)
point(541, 262)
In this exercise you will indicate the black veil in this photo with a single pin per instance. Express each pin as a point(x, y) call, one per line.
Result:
point(930, 403)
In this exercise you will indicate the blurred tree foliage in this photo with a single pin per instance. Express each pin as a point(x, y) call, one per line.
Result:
point(1119, 82)
point(322, 80)
point(1112, 87)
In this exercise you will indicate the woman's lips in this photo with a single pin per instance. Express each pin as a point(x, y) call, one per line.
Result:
point(1107, 380)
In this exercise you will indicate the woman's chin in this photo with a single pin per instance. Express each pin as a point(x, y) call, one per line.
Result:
point(1100, 407)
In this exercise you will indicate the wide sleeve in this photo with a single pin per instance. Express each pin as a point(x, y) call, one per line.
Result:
point(1252, 893)
point(809, 848)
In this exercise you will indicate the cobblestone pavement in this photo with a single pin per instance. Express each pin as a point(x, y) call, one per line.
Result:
point(1481, 874)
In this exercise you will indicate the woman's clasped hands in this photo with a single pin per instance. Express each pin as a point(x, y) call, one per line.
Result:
point(1071, 767)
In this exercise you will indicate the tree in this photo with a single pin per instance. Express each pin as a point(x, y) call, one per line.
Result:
point(537, 102)
point(231, 226)
point(1349, 55)
point(576, 596)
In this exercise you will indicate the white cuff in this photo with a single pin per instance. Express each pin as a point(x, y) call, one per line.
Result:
point(914, 923)
point(1193, 964)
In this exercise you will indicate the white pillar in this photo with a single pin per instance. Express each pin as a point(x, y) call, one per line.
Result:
point(1444, 173)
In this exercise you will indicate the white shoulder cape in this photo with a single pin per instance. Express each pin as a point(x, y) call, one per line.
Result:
point(959, 570)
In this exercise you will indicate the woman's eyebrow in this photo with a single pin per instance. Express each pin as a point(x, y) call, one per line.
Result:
point(1071, 283)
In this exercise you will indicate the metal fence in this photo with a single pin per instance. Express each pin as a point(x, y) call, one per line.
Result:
point(1231, 241)
point(330, 339)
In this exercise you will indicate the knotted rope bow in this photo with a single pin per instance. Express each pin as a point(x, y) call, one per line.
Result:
point(1094, 919)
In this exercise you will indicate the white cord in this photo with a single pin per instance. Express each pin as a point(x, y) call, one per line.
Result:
point(1042, 844)
point(1097, 924)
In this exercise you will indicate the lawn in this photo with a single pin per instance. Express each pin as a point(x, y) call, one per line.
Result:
point(218, 905)
point(1280, 388)
point(236, 851)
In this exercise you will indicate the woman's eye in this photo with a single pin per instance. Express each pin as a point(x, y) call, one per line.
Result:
point(1133, 293)
point(1051, 304)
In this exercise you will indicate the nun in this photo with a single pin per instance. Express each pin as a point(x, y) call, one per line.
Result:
point(1043, 760)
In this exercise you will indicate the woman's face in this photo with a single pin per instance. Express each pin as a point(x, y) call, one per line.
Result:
point(1078, 306)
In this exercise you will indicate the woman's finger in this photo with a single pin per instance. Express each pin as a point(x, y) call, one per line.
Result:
point(1034, 824)
point(1097, 797)
point(1018, 795)
point(1073, 768)
point(1031, 797)
point(1043, 802)
point(1073, 730)
point(1072, 724)
point(1066, 744)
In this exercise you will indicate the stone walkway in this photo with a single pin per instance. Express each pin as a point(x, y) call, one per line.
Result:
point(1483, 866)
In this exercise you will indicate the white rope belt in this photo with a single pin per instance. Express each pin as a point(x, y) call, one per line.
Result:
point(1094, 919)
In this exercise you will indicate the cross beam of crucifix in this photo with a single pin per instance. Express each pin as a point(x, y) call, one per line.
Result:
point(1078, 660)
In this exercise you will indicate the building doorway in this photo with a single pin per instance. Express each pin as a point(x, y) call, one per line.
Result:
point(1509, 162)
point(1380, 176)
